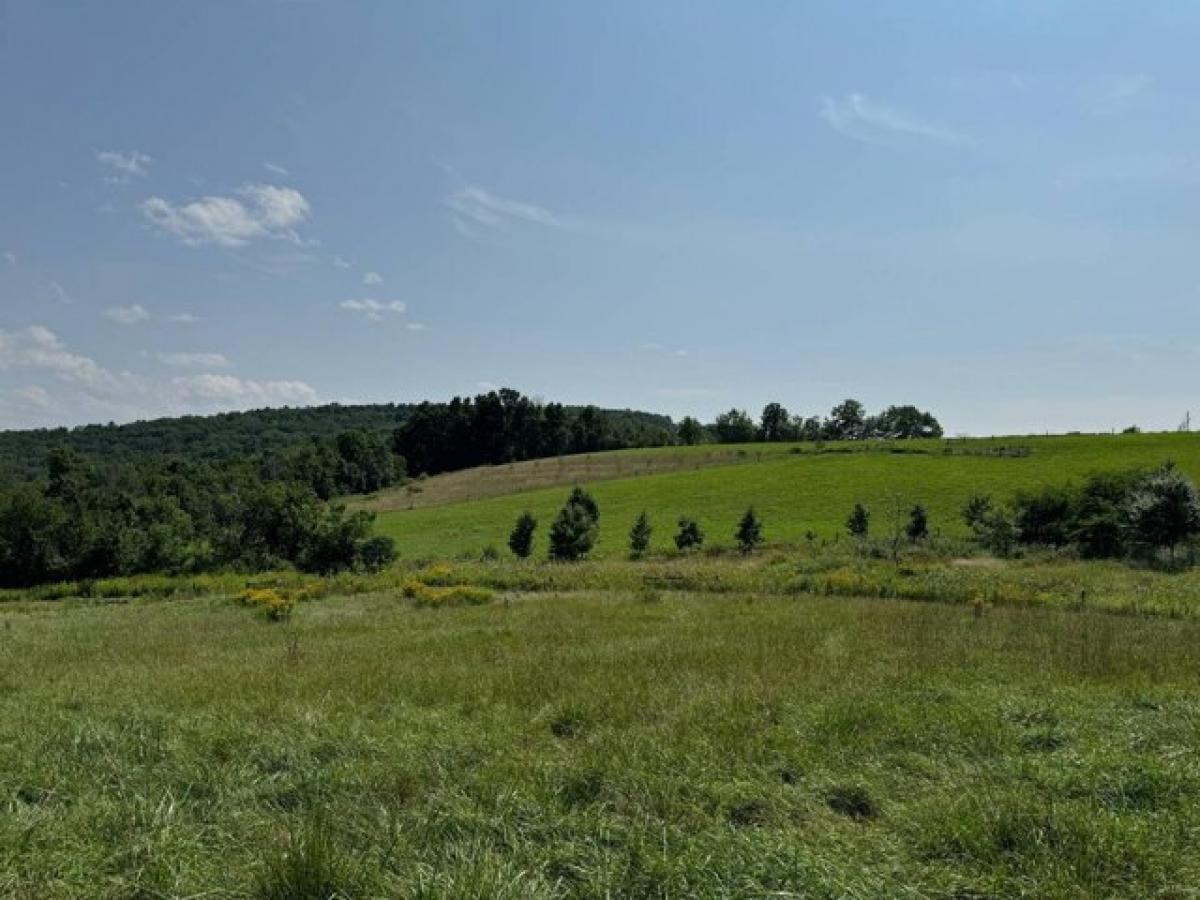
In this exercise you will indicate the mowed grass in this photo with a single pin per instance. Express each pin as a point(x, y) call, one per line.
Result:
point(586, 744)
point(514, 478)
point(812, 489)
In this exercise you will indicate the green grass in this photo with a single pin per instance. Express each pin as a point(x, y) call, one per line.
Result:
point(596, 743)
point(811, 490)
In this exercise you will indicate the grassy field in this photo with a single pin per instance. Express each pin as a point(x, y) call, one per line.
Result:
point(596, 743)
point(813, 720)
point(796, 490)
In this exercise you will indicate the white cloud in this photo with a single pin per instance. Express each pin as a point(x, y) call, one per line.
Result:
point(268, 211)
point(39, 348)
point(474, 205)
point(415, 326)
point(10, 257)
point(91, 393)
point(128, 315)
point(342, 263)
point(57, 293)
point(185, 318)
point(194, 360)
point(372, 278)
point(229, 390)
point(374, 310)
point(863, 119)
point(131, 163)
point(276, 168)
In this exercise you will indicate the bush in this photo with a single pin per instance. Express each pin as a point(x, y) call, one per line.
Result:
point(275, 604)
point(1164, 510)
point(576, 527)
point(455, 595)
point(520, 539)
point(917, 528)
point(639, 536)
point(689, 534)
point(749, 532)
point(376, 553)
point(1043, 517)
point(859, 523)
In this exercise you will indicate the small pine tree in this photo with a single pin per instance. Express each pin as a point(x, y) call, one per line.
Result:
point(859, 523)
point(639, 536)
point(520, 539)
point(689, 534)
point(576, 527)
point(749, 532)
point(917, 528)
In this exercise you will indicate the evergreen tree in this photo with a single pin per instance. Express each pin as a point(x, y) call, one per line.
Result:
point(575, 528)
point(859, 523)
point(520, 539)
point(639, 536)
point(749, 532)
point(689, 534)
point(918, 524)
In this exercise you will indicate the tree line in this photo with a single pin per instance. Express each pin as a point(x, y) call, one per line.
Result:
point(848, 421)
point(505, 426)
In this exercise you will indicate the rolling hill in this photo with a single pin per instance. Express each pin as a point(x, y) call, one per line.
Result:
point(795, 488)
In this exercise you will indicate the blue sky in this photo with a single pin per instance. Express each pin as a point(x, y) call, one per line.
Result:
point(987, 209)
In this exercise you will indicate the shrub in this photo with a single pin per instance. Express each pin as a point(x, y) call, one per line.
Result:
point(859, 523)
point(376, 553)
point(576, 527)
point(639, 536)
point(689, 534)
point(1164, 510)
point(918, 524)
point(520, 539)
point(749, 532)
point(275, 604)
point(426, 595)
point(1043, 517)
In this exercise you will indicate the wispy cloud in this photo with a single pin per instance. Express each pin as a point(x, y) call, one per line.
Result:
point(39, 348)
point(276, 168)
point(656, 347)
point(858, 117)
point(231, 391)
point(10, 257)
point(87, 390)
point(342, 263)
point(127, 164)
point(194, 360)
point(415, 326)
point(1114, 94)
point(56, 293)
point(185, 318)
point(128, 315)
point(258, 211)
point(375, 310)
point(472, 206)
point(372, 278)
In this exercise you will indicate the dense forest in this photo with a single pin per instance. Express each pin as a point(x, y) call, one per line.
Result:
point(239, 435)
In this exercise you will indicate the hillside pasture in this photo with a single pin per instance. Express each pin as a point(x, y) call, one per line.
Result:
point(797, 489)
